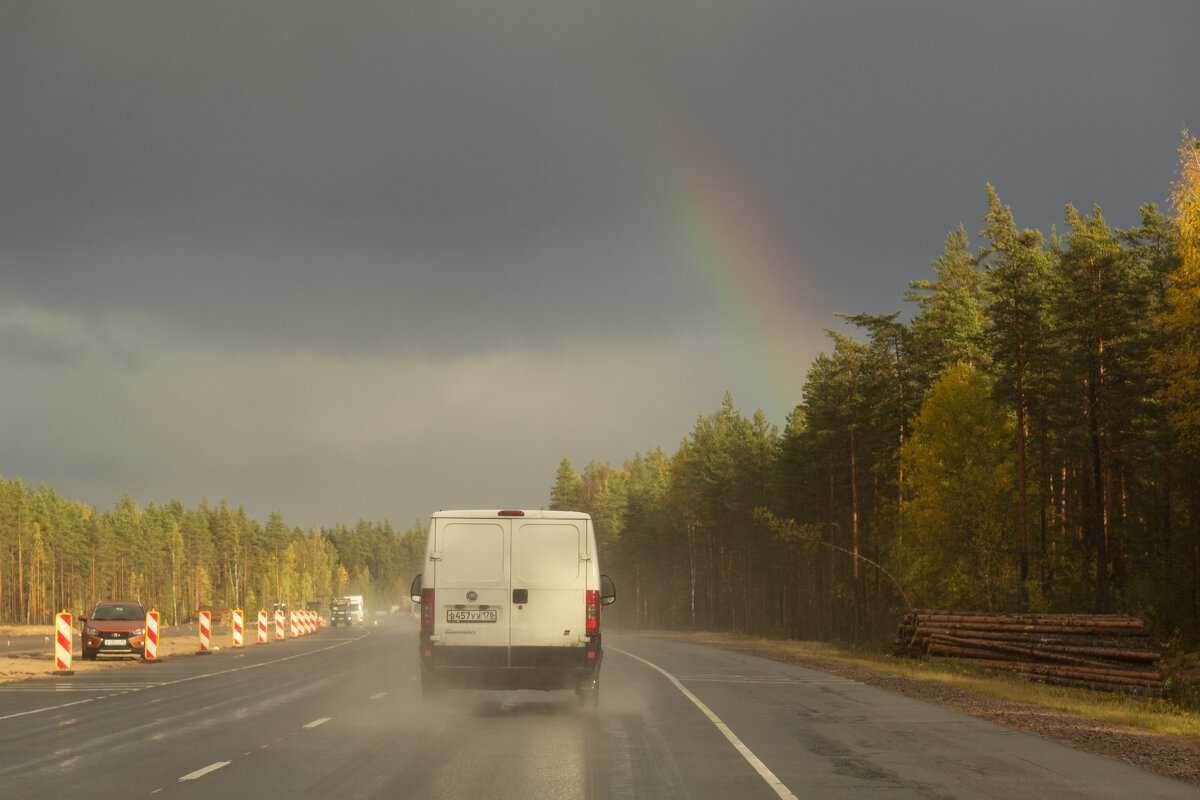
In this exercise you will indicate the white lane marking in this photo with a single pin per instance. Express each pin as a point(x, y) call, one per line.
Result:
point(378, 695)
point(67, 687)
point(50, 708)
point(191, 776)
point(753, 760)
point(317, 722)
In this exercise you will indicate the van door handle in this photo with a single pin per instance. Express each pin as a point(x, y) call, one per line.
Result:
point(520, 596)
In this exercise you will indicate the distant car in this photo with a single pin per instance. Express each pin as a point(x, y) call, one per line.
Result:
point(115, 627)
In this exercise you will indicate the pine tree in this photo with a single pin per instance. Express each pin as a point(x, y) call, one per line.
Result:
point(565, 494)
point(950, 325)
point(1016, 268)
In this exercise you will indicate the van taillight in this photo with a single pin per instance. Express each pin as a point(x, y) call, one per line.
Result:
point(593, 611)
point(427, 611)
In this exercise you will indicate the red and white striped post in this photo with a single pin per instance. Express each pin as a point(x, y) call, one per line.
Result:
point(205, 631)
point(152, 636)
point(262, 627)
point(295, 628)
point(280, 631)
point(62, 644)
point(237, 627)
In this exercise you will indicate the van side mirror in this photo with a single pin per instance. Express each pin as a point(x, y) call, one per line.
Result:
point(414, 591)
point(608, 591)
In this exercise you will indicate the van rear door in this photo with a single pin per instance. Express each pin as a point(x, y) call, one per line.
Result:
point(549, 582)
point(470, 559)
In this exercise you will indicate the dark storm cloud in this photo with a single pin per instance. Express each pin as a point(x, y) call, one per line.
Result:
point(269, 250)
point(229, 167)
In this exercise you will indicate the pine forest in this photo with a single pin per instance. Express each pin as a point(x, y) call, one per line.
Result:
point(1029, 441)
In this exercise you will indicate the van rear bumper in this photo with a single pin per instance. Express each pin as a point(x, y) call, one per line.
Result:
point(513, 667)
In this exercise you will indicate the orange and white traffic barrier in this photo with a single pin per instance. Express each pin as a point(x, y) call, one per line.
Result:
point(311, 618)
point(205, 631)
point(152, 636)
point(280, 630)
point(237, 627)
point(262, 627)
point(62, 644)
point(295, 625)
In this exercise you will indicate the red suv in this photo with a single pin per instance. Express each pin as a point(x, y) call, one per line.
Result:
point(117, 627)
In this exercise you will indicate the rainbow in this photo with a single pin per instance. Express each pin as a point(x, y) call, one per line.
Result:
point(734, 255)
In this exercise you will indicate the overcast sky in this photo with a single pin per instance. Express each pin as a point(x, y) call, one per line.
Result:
point(366, 260)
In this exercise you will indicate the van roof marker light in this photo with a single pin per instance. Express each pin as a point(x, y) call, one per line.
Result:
point(510, 512)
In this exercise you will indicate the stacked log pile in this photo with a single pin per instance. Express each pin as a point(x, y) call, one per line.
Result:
point(1096, 651)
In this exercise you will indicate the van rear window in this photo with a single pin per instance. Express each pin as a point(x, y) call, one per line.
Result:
point(545, 554)
point(472, 552)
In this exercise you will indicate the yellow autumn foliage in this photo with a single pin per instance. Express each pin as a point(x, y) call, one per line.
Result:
point(1179, 360)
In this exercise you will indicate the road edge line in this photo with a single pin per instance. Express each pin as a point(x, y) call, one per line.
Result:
point(763, 771)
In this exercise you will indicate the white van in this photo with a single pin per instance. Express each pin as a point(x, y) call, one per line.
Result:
point(511, 599)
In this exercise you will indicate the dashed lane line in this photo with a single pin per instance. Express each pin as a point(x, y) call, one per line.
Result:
point(200, 773)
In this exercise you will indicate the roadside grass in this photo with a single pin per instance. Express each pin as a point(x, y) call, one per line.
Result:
point(1176, 713)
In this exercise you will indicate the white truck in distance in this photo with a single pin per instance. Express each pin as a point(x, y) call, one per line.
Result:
point(356, 609)
point(511, 599)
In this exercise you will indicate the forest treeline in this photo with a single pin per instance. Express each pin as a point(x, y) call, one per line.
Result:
point(57, 554)
point(1030, 440)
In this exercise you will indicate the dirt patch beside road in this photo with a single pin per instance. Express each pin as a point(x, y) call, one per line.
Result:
point(41, 665)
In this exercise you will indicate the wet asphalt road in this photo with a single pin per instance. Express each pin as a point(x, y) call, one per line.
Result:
point(340, 714)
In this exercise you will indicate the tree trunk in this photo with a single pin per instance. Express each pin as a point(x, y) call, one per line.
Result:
point(1099, 530)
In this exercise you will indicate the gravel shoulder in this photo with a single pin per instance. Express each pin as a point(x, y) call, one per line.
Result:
point(1165, 755)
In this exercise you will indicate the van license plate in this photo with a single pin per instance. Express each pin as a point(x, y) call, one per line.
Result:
point(470, 615)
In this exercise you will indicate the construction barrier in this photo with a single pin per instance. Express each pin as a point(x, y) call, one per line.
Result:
point(237, 627)
point(152, 636)
point(62, 644)
point(205, 631)
point(310, 621)
point(280, 631)
point(295, 627)
point(262, 627)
